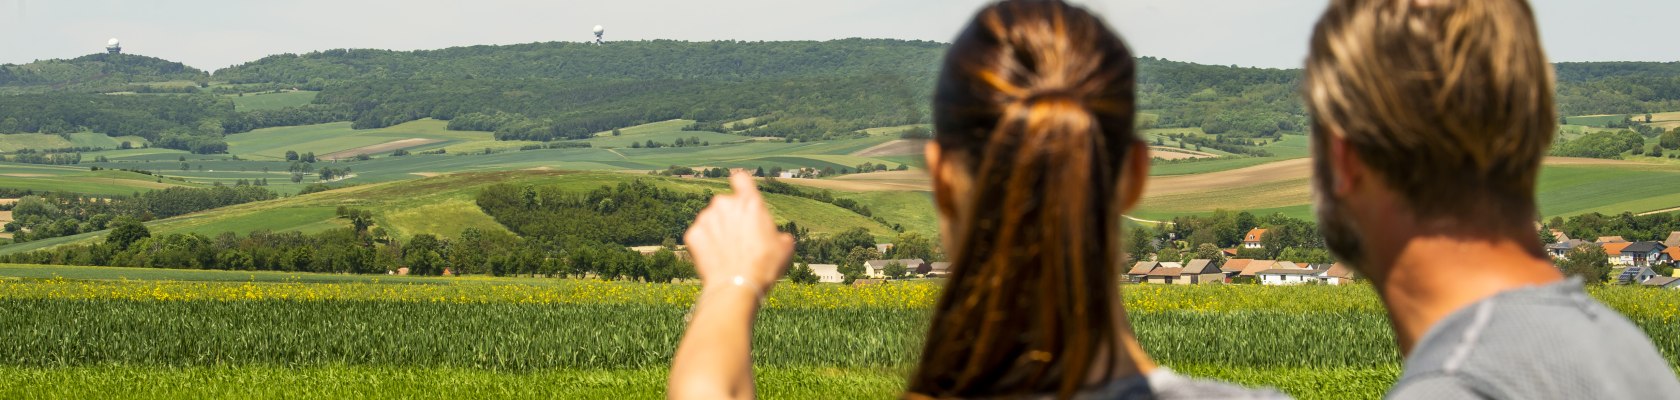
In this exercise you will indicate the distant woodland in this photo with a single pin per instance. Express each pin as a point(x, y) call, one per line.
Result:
point(559, 91)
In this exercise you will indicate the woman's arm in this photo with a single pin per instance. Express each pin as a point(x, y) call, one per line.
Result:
point(739, 255)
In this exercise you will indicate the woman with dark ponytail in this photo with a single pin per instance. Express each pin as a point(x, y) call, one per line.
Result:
point(1034, 162)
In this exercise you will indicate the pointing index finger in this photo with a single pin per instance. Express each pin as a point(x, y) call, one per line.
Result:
point(743, 184)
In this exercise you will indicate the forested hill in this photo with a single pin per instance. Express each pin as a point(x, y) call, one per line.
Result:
point(1618, 87)
point(646, 60)
point(552, 91)
point(97, 72)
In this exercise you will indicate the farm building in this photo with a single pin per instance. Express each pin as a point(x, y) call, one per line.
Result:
point(1340, 274)
point(1663, 282)
point(1635, 275)
point(935, 269)
point(1560, 250)
point(1253, 238)
point(1288, 276)
point(828, 273)
point(1233, 267)
point(1610, 239)
point(878, 268)
point(1641, 254)
point(1200, 272)
point(1140, 271)
point(1166, 273)
point(1673, 239)
point(884, 248)
point(1254, 268)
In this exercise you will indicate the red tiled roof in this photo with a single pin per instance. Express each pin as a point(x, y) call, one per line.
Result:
point(1254, 235)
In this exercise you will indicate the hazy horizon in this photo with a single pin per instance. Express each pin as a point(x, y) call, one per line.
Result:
point(213, 35)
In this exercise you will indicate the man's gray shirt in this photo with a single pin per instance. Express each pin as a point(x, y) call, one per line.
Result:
point(1545, 342)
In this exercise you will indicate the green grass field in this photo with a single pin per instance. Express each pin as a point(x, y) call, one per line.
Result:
point(272, 101)
point(193, 334)
point(1597, 121)
point(445, 206)
point(39, 141)
point(78, 180)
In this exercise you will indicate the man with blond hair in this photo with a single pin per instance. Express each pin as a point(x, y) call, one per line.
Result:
point(1431, 120)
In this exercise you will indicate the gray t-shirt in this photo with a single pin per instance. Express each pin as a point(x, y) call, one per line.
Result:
point(1544, 342)
point(1162, 383)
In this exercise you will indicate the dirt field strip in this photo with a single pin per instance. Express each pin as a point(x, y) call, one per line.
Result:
point(901, 147)
point(1662, 211)
point(1171, 153)
point(379, 148)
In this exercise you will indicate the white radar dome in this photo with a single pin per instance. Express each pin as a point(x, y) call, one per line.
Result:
point(113, 42)
point(598, 30)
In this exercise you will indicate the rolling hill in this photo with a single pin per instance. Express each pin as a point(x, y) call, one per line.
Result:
point(444, 206)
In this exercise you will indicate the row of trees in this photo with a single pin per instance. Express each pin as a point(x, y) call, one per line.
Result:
point(1609, 145)
point(50, 215)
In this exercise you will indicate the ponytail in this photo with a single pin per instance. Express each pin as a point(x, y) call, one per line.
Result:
point(1037, 97)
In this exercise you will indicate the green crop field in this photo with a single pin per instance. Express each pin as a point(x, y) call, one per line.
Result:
point(1597, 121)
point(1567, 190)
point(175, 334)
point(78, 180)
point(445, 206)
point(272, 101)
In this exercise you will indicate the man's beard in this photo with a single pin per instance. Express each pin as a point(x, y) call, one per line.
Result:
point(1339, 234)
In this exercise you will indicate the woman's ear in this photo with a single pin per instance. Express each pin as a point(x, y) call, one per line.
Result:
point(1134, 177)
point(939, 177)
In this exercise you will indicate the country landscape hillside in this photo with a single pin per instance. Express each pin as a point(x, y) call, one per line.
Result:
point(507, 220)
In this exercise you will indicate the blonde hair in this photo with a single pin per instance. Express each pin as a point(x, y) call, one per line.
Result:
point(1450, 101)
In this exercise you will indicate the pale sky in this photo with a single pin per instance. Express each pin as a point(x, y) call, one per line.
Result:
point(211, 34)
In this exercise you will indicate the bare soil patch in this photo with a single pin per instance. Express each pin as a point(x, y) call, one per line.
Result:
point(1588, 161)
point(380, 148)
point(26, 175)
point(901, 147)
point(1255, 175)
point(8, 201)
point(424, 174)
point(1169, 153)
point(890, 181)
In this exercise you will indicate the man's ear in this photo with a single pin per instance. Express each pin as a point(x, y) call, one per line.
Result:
point(939, 177)
point(1348, 168)
point(1134, 177)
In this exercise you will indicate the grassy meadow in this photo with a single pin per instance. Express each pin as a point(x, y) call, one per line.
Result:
point(445, 206)
point(272, 101)
point(197, 334)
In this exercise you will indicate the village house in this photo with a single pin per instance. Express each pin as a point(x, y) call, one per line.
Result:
point(935, 269)
point(1200, 271)
point(1663, 282)
point(1673, 240)
point(1635, 275)
point(1234, 267)
point(1252, 239)
point(884, 248)
point(1671, 254)
point(878, 268)
point(1166, 273)
point(1140, 271)
point(1288, 276)
point(1641, 254)
point(1560, 250)
point(1255, 267)
point(1340, 274)
point(1613, 251)
point(828, 273)
point(1560, 236)
point(1610, 239)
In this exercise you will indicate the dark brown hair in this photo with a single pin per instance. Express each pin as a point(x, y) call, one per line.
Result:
point(1036, 99)
point(1449, 101)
